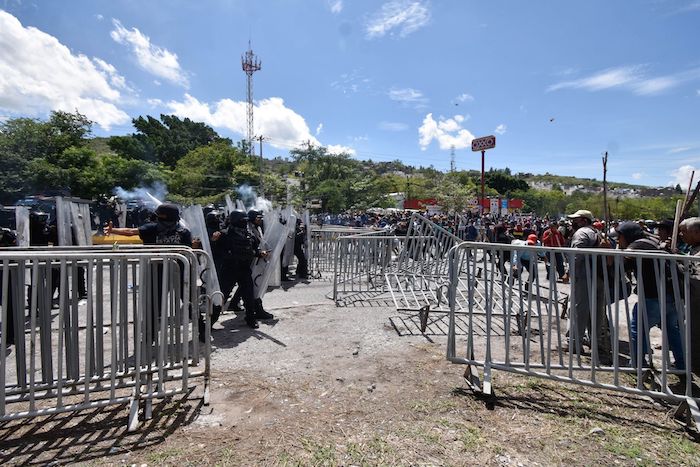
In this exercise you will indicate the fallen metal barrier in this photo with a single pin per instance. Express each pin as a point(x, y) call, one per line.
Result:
point(607, 340)
point(130, 335)
point(361, 265)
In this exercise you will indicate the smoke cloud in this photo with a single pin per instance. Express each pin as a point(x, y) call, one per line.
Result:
point(251, 200)
point(152, 196)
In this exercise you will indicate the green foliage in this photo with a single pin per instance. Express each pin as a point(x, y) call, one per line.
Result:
point(15, 177)
point(210, 171)
point(166, 140)
point(73, 170)
point(452, 194)
point(503, 182)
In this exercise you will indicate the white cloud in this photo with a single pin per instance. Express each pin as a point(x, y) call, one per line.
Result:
point(447, 132)
point(336, 6)
point(610, 78)
point(99, 17)
point(408, 96)
point(681, 176)
point(637, 176)
point(393, 126)
point(152, 58)
point(679, 149)
point(319, 129)
point(631, 78)
point(405, 16)
point(501, 129)
point(340, 149)
point(39, 74)
point(155, 102)
point(282, 126)
point(464, 97)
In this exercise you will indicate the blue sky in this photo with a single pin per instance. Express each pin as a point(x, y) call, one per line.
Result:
point(557, 82)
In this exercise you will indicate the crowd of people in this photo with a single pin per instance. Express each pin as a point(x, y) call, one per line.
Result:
point(581, 230)
point(236, 245)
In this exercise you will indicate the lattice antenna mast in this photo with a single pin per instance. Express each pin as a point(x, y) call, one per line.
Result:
point(250, 64)
point(452, 158)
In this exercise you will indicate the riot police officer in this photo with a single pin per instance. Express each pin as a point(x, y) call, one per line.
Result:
point(239, 249)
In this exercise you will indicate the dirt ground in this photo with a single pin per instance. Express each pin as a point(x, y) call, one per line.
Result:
point(321, 385)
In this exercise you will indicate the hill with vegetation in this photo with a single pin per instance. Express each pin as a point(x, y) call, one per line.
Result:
point(60, 155)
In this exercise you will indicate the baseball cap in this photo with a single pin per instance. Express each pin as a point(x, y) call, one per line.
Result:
point(630, 230)
point(532, 239)
point(581, 213)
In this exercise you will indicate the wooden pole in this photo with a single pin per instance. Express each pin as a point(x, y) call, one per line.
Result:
point(691, 200)
point(605, 195)
point(676, 223)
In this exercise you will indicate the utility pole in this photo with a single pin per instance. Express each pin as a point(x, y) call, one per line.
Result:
point(262, 187)
point(250, 64)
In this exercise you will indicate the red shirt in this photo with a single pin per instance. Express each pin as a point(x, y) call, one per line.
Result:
point(552, 238)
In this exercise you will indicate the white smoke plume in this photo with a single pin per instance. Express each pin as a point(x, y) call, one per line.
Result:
point(152, 196)
point(251, 200)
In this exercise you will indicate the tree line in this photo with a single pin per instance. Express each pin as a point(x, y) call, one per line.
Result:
point(60, 155)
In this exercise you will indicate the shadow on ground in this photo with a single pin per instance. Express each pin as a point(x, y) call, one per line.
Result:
point(79, 437)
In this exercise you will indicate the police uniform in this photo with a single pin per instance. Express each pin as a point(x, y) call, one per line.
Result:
point(239, 248)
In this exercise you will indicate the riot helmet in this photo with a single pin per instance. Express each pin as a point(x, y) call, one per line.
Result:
point(237, 218)
point(212, 220)
point(254, 214)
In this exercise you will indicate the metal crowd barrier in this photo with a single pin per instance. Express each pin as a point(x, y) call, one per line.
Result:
point(619, 334)
point(362, 262)
point(130, 335)
point(323, 245)
point(426, 248)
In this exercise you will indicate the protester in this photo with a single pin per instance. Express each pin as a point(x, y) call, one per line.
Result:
point(690, 233)
point(524, 259)
point(554, 239)
point(632, 237)
point(584, 278)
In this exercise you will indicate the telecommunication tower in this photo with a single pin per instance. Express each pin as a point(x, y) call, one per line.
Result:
point(452, 158)
point(250, 64)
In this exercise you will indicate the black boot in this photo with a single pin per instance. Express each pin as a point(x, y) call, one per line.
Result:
point(260, 313)
point(251, 322)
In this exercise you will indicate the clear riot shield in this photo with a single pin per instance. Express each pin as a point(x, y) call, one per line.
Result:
point(307, 246)
point(22, 225)
point(291, 220)
point(273, 241)
point(230, 206)
point(122, 209)
point(63, 221)
point(194, 218)
point(80, 223)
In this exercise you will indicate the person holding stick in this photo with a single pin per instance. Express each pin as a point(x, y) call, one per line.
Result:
point(690, 233)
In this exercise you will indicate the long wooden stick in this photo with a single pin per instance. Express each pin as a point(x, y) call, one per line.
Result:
point(687, 192)
point(676, 223)
point(689, 202)
point(606, 216)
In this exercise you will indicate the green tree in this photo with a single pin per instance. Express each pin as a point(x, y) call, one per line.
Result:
point(207, 171)
point(166, 140)
point(74, 170)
